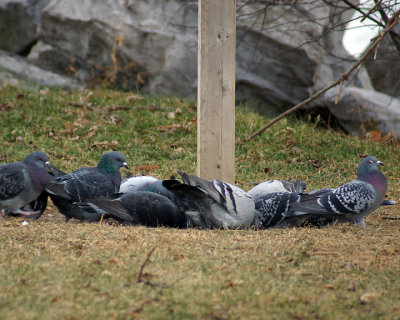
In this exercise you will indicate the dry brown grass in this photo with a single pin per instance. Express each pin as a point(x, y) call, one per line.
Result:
point(57, 270)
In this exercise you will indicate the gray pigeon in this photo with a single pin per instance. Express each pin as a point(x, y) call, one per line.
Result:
point(37, 206)
point(276, 186)
point(139, 207)
point(271, 210)
point(22, 182)
point(87, 183)
point(138, 183)
point(212, 204)
point(145, 183)
point(141, 200)
point(351, 202)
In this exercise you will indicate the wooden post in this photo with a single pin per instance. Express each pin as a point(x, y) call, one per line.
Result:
point(216, 90)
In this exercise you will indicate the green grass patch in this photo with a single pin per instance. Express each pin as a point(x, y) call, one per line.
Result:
point(56, 270)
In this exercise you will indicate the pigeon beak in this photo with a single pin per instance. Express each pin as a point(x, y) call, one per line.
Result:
point(380, 163)
point(49, 167)
point(124, 164)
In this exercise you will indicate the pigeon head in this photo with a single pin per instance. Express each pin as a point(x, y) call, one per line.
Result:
point(369, 164)
point(368, 171)
point(37, 158)
point(111, 162)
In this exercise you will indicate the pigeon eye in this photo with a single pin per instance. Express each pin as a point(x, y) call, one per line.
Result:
point(370, 162)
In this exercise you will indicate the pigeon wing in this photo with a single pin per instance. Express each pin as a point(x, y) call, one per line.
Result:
point(208, 187)
point(271, 208)
point(353, 197)
point(108, 205)
point(89, 185)
point(12, 180)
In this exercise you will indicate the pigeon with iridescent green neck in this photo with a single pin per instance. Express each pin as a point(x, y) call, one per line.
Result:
point(351, 202)
point(87, 183)
point(22, 182)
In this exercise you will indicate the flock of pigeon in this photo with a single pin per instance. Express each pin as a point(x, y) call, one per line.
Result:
point(96, 193)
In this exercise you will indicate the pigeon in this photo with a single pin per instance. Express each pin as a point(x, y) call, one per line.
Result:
point(22, 182)
point(39, 204)
point(138, 208)
point(87, 183)
point(271, 209)
point(212, 204)
point(133, 184)
point(145, 183)
point(351, 202)
point(324, 220)
point(276, 186)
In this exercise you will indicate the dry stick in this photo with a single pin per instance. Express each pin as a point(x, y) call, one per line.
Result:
point(395, 37)
point(144, 264)
point(391, 23)
point(378, 3)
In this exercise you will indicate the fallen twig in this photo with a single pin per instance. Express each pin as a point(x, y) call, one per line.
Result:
point(144, 264)
point(390, 25)
point(118, 107)
point(80, 105)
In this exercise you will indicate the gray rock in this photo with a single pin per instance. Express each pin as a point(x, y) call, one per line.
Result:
point(384, 71)
point(362, 110)
point(153, 45)
point(131, 44)
point(19, 21)
point(14, 68)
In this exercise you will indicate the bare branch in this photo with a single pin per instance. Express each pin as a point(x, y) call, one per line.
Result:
point(390, 25)
point(394, 36)
point(377, 3)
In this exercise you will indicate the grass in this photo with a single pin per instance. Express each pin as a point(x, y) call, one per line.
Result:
point(50, 269)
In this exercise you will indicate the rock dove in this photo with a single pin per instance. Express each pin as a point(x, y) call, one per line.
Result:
point(87, 183)
point(145, 183)
point(39, 204)
point(351, 202)
point(138, 183)
point(324, 220)
point(212, 204)
point(271, 210)
point(139, 207)
point(22, 182)
point(276, 186)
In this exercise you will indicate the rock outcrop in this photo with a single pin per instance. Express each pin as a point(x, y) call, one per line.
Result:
point(361, 111)
point(14, 68)
point(19, 22)
point(384, 71)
